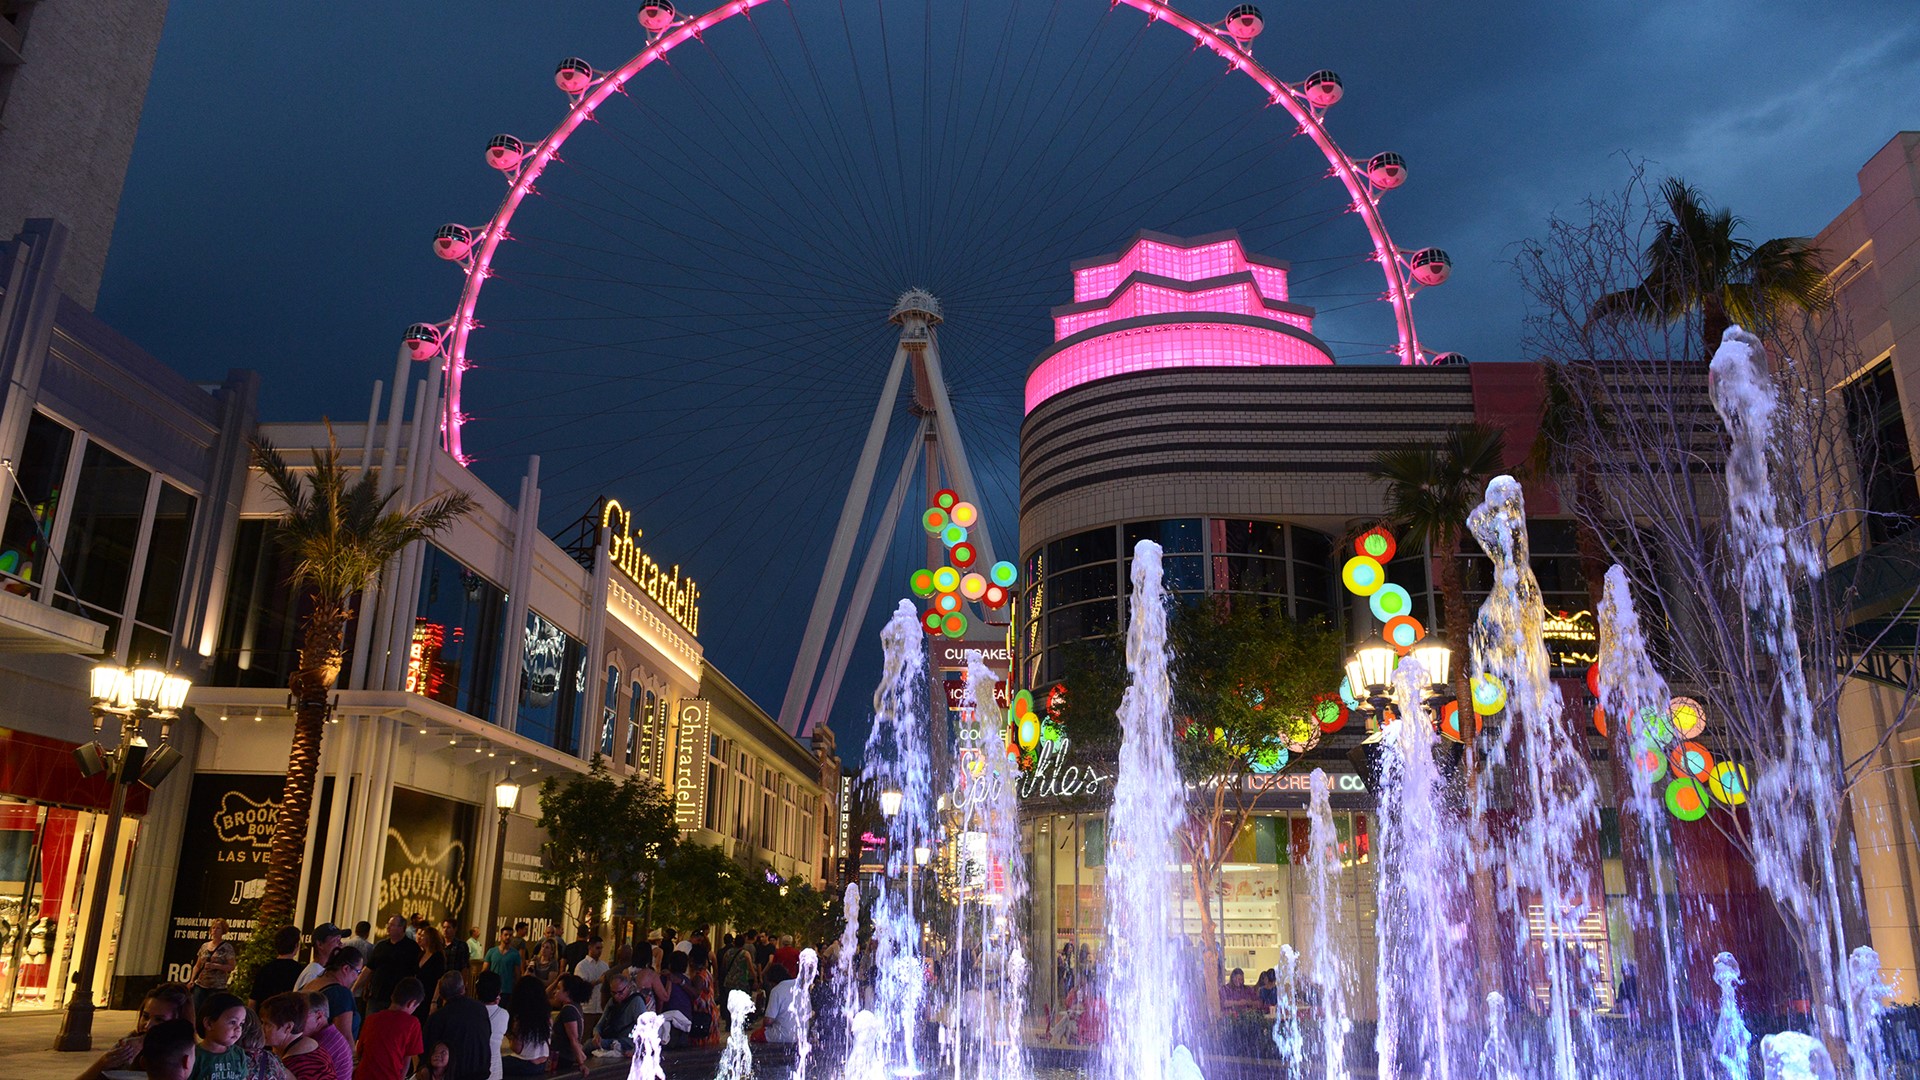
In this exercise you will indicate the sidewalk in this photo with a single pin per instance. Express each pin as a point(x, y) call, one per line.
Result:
point(26, 1044)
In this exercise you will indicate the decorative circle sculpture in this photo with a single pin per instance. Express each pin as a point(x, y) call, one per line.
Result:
point(934, 520)
point(1692, 759)
point(1453, 727)
point(1689, 717)
point(1600, 721)
point(1376, 544)
point(962, 554)
point(954, 624)
point(973, 586)
point(952, 534)
point(946, 498)
point(1029, 731)
point(1271, 759)
point(1687, 799)
point(995, 597)
point(946, 603)
point(930, 619)
point(1489, 696)
point(1650, 763)
point(946, 579)
point(1593, 679)
point(964, 514)
point(1363, 575)
point(1004, 574)
point(1389, 602)
point(1728, 783)
point(1331, 713)
point(1347, 697)
point(1403, 632)
point(922, 583)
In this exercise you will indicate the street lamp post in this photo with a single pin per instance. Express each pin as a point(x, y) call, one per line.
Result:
point(133, 696)
point(506, 796)
point(1370, 671)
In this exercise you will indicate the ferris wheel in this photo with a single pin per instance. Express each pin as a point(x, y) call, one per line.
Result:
point(687, 247)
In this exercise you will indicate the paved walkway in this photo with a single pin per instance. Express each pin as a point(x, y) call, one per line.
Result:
point(26, 1041)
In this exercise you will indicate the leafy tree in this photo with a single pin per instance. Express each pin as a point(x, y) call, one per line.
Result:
point(1247, 682)
point(1695, 263)
point(695, 886)
point(605, 837)
point(341, 531)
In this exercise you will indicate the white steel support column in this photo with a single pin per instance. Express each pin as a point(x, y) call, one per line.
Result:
point(952, 452)
point(807, 663)
point(863, 587)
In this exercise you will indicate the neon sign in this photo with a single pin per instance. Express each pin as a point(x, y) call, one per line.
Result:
point(1571, 640)
point(1052, 778)
point(678, 596)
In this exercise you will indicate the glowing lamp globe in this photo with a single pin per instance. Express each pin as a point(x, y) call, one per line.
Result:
point(1375, 544)
point(931, 620)
point(890, 801)
point(962, 554)
point(946, 579)
point(954, 625)
point(1371, 664)
point(1390, 602)
point(946, 498)
point(995, 597)
point(1692, 759)
point(973, 586)
point(1489, 696)
point(953, 534)
point(1022, 702)
point(1363, 575)
point(1434, 658)
point(946, 603)
point(1029, 732)
point(964, 514)
point(1004, 574)
point(934, 520)
point(922, 583)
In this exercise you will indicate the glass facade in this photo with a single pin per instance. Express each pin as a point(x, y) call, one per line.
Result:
point(1262, 903)
point(553, 685)
point(1077, 586)
point(35, 497)
point(457, 636)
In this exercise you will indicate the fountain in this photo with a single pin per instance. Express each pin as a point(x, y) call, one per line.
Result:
point(1731, 1039)
point(736, 1061)
point(1631, 691)
point(1287, 1037)
point(1331, 971)
point(1145, 976)
point(896, 761)
point(802, 1006)
point(648, 1029)
point(1560, 808)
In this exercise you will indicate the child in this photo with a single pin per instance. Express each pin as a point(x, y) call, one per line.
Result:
point(322, 1030)
point(220, 1056)
point(285, 1020)
point(168, 1049)
point(435, 1067)
point(391, 1037)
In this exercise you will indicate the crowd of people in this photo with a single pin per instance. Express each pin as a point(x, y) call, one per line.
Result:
point(424, 1003)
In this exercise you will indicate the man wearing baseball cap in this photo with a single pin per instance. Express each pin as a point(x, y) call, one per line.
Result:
point(326, 938)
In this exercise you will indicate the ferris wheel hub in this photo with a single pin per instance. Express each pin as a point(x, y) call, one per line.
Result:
point(916, 303)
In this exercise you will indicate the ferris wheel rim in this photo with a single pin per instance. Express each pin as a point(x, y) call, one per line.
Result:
point(1364, 195)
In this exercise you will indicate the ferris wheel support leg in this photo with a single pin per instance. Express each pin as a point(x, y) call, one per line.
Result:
point(952, 452)
point(822, 707)
point(807, 663)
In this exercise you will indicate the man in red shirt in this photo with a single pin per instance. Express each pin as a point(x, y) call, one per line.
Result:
point(390, 1038)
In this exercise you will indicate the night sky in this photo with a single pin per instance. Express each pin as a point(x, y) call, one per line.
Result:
point(690, 315)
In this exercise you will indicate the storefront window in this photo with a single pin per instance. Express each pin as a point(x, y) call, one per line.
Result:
point(553, 684)
point(456, 636)
point(639, 705)
point(260, 625)
point(609, 711)
point(96, 562)
point(164, 574)
point(34, 499)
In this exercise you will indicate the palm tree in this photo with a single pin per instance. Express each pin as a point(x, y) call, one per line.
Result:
point(1430, 491)
point(1695, 262)
point(341, 532)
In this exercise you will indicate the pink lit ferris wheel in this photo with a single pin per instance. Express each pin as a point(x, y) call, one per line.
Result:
point(688, 281)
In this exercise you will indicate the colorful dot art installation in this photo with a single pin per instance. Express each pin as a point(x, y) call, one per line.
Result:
point(946, 586)
point(1667, 743)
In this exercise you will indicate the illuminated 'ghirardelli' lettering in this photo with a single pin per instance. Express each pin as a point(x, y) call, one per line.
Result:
point(678, 596)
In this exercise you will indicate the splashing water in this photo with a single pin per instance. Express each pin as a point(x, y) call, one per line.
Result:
point(1496, 1056)
point(896, 759)
point(1287, 1037)
point(801, 1005)
point(1416, 922)
point(1795, 803)
point(736, 1061)
point(1544, 870)
point(1631, 690)
point(648, 1028)
point(1144, 980)
point(987, 965)
point(867, 1059)
point(1869, 993)
point(845, 977)
point(1331, 969)
point(1731, 1039)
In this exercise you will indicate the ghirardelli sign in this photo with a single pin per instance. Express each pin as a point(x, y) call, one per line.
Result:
point(690, 764)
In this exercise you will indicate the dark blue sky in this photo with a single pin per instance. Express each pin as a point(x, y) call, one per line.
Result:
point(691, 314)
